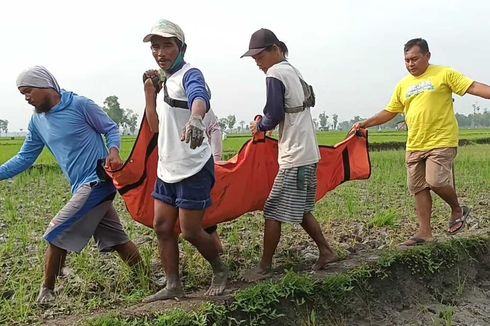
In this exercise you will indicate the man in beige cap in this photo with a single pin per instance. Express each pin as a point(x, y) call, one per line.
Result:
point(185, 173)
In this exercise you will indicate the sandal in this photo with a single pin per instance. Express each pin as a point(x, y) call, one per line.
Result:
point(414, 241)
point(461, 221)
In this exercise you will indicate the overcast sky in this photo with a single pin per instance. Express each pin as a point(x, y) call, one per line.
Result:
point(350, 51)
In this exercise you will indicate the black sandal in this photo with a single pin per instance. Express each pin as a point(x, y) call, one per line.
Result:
point(462, 220)
point(415, 242)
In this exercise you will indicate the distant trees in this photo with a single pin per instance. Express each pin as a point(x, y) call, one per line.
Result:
point(124, 118)
point(131, 120)
point(335, 120)
point(223, 123)
point(4, 126)
point(480, 118)
point(323, 121)
point(231, 121)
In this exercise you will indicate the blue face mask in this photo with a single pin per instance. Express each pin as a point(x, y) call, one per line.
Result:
point(179, 62)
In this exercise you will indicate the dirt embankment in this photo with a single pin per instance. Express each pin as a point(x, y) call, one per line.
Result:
point(445, 283)
point(455, 294)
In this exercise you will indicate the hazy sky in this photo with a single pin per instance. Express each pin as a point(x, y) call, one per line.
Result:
point(350, 51)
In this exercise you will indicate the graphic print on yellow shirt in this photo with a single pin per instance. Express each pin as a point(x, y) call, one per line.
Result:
point(427, 104)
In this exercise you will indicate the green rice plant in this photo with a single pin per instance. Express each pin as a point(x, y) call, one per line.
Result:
point(446, 316)
point(31, 200)
point(384, 218)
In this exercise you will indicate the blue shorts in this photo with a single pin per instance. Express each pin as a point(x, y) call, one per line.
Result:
point(192, 193)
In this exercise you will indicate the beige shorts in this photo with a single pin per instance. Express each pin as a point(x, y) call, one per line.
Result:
point(430, 169)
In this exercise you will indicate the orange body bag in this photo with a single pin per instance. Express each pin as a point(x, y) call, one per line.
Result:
point(242, 183)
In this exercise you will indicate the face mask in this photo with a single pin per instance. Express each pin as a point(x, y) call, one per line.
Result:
point(179, 62)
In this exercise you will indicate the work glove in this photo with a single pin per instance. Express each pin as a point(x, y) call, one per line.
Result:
point(193, 131)
point(154, 75)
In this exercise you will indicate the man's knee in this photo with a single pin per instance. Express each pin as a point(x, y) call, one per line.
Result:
point(190, 234)
point(440, 181)
point(163, 228)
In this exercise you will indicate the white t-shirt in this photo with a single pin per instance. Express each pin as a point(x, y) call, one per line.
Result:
point(297, 139)
point(176, 160)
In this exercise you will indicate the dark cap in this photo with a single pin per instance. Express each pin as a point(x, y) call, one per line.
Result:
point(259, 41)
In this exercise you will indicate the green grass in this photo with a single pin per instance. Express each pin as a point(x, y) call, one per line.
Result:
point(235, 141)
point(385, 218)
point(357, 215)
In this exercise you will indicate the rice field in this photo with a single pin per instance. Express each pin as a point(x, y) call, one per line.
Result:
point(373, 214)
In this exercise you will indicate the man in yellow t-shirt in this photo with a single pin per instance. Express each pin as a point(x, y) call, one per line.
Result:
point(425, 98)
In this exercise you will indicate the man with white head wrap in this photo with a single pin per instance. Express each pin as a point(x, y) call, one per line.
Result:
point(39, 77)
point(71, 127)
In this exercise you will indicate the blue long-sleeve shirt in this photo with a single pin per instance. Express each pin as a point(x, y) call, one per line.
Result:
point(72, 131)
point(274, 107)
point(195, 87)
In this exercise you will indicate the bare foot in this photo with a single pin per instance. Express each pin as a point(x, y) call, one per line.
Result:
point(324, 260)
point(256, 274)
point(218, 283)
point(46, 296)
point(165, 294)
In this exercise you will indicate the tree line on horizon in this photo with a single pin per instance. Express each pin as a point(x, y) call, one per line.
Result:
point(127, 120)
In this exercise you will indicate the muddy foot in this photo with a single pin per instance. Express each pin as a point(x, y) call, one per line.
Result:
point(256, 274)
point(218, 283)
point(324, 260)
point(46, 296)
point(165, 294)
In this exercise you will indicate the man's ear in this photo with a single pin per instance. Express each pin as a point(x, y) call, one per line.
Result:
point(184, 48)
point(428, 55)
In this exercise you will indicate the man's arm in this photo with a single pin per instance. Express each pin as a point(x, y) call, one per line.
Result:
point(32, 147)
point(151, 105)
point(198, 99)
point(376, 120)
point(100, 122)
point(479, 89)
point(213, 130)
point(274, 107)
point(195, 89)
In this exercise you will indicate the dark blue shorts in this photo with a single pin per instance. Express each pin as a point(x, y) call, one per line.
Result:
point(192, 193)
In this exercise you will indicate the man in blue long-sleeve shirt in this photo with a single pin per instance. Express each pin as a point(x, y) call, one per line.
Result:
point(71, 127)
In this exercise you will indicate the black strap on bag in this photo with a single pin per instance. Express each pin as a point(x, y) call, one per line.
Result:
point(177, 103)
point(173, 102)
point(308, 93)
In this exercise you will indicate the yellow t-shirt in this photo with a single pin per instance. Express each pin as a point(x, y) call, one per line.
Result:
point(427, 103)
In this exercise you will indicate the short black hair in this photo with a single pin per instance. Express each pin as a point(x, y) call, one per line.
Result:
point(420, 42)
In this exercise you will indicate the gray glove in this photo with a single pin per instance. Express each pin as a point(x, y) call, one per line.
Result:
point(154, 75)
point(193, 131)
